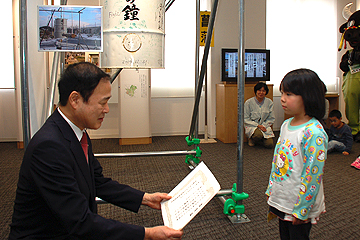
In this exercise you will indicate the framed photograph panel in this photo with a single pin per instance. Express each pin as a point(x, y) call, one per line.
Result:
point(67, 28)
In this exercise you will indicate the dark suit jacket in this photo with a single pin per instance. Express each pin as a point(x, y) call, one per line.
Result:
point(55, 196)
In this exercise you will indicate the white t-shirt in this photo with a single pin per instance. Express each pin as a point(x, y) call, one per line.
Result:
point(295, 184)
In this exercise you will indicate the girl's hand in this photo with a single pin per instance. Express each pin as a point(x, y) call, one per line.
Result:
point(297, 221)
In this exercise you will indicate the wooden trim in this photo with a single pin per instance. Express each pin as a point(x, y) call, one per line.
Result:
point(135, 141)
point(227, 106)
point(20, 145)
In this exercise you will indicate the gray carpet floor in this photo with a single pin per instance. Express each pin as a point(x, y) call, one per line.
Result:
point(152, 174)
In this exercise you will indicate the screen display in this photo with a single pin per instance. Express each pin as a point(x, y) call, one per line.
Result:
point(256, 64)
point(231, 64)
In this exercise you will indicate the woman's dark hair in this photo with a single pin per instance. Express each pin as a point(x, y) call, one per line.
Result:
point(308, 85)
point(260, 85)
point(81, 77)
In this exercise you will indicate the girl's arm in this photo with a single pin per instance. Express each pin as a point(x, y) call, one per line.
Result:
point(314, 148)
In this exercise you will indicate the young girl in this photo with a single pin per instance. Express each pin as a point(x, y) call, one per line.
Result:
point(295, 191)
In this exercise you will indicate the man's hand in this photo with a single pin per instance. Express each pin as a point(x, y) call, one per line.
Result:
point(162, 233)
point(153, 200)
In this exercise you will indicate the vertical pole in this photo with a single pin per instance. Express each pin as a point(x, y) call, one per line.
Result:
point(197, 45)
point(206, 107)
point(203, 67)
point(62, 54)
point(79, 33)
point(24, 73)
point(58, 58)
point(114, 76)
point(240, 85)
point(53, 83)
point(168, 4)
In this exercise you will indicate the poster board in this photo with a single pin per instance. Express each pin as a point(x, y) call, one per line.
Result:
point(65, 28)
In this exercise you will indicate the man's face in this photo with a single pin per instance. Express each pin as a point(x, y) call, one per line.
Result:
point(335, 122)
point(91, 114)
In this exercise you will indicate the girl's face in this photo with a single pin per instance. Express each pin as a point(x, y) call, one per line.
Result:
point(292, 104)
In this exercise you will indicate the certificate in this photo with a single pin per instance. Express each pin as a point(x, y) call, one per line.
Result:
point(189, 197)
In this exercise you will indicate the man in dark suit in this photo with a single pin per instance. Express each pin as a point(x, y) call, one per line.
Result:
point(60, 177)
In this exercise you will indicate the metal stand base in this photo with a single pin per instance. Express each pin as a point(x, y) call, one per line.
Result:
point(239, 218)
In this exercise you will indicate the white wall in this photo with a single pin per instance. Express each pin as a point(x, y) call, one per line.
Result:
point(227, 36)
point(172, 116)
point(169, 116)
point(10, 119)
point(38, 79)
point(11, 100)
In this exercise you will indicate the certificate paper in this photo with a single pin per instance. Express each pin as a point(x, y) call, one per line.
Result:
point(189, 197)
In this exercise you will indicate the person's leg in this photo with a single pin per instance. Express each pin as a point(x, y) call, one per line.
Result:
point(251, 142)
point(300, 232)
point(331, 145)
point(284, 230)
point(334, 145)
point(288, 231)
point(268, 142)
point(340, 147)
point(257, 136)
point(351, 90)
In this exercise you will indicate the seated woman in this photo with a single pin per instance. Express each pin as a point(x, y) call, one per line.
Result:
point(258, 117)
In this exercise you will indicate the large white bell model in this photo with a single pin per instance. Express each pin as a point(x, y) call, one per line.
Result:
point(134, 34)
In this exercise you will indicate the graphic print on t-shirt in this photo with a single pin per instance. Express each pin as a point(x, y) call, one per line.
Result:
point(283, 162)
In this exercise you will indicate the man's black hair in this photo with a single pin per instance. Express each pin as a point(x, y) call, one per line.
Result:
point(335, 113)
point(81, 77)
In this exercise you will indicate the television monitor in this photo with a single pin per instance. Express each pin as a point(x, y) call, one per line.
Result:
point(256, 66)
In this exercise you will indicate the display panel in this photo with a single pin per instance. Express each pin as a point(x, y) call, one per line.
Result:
point(67, 28)
point(256, 66)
